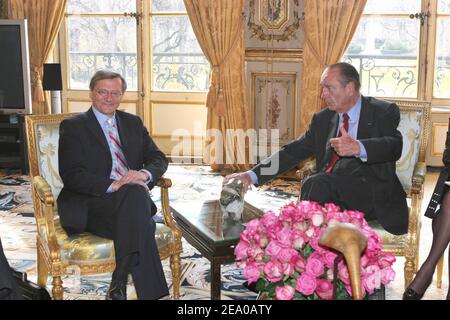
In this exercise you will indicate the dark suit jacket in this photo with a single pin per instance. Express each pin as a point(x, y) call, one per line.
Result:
point(85, 162)
point(440, 188)
point(8, 286)
point(377, 131)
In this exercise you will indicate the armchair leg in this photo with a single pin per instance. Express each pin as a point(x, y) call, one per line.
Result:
point(409, 270)
point(57, 290)
point(175, 266)
point(440, 268)
point(42, 270)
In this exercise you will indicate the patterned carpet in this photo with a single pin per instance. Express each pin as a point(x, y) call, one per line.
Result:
point(18, 231)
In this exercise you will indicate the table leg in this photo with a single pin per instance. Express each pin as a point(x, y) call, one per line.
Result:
point(215, 281)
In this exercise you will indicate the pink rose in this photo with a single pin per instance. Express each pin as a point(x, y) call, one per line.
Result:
point(288, 268)
point(284, 237)
point(314, 266)
point(324, 289)
point(317, 219)
point(298, 239)
point(328, 258)
point(371, 278)
point(386, 260)
point(241, 250)
point(299, 264)
point(269, 220)
point(284, 293)
point(286, 254)
point(343, 273)
point(306, 284)
point(272, 249)
point(251, 273)
point(274, 271)
point(387, 275)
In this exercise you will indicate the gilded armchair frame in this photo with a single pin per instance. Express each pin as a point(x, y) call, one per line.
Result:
point(405, 245)
point(49, 257)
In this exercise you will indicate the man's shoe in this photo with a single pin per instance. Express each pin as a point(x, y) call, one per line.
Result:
point(410, 294)
point(117, 291)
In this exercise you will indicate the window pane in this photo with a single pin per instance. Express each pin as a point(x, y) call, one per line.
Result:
point(392, 6)
point(443, 6)
point(101, 6)
point(165, 5)
point(442, 70)
point(385, 52)
point(178, 61)
point(101, 43)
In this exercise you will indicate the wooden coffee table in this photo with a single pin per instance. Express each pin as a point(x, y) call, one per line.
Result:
point(205, 229)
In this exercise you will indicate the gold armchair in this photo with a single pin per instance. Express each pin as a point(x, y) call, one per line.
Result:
point(56, 251)
point(411, 169)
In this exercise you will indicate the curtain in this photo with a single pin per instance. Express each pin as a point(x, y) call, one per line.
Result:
point(44, 20)
point(219, 28)
point(3, 9)
point(328, 27)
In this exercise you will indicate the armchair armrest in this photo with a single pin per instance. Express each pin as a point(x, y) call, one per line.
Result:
point(165, 184)
point(307, 168)
point(43, 190)
point(44, 212)
point(418, 177)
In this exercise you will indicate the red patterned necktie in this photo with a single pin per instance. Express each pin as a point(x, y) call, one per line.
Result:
point(335, 157)
point(120, 167)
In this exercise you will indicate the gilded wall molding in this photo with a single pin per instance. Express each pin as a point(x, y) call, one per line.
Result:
point(269, 55)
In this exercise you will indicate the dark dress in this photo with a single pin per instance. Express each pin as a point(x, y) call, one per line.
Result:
point(441, 188)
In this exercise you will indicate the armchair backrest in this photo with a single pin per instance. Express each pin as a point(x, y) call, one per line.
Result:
point(42, 133)
point(415, 127)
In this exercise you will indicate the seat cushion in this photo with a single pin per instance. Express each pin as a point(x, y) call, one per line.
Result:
point(391, 242)
point(89, 248)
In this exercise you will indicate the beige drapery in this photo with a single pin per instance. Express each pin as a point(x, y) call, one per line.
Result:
point(329, 27)
point(219, 28)
point(44, 20)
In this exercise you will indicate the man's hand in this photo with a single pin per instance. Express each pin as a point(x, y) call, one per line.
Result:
point(131, 177)
point(345, 146)
point(244, 177)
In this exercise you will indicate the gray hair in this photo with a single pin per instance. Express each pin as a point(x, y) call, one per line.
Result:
point(105, 74)
point(348, 74)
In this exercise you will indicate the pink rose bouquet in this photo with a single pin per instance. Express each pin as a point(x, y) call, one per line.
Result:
point(281, 253)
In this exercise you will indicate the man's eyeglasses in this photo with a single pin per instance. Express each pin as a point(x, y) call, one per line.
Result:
point(104, 93)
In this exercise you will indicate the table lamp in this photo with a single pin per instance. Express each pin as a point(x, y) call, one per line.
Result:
point(52, 81)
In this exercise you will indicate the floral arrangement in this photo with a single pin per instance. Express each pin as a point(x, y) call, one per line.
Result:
point(281, 253)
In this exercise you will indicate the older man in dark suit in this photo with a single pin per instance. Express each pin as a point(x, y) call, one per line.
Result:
point(356, 143)
point(108, 162)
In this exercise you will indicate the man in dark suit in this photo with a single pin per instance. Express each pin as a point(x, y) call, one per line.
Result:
point(108, 162)
point(356, 143)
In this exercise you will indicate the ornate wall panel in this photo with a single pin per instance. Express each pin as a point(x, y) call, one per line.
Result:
point(274, 42)
point(274, 23)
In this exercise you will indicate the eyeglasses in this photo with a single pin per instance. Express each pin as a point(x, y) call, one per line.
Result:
point(104, 93)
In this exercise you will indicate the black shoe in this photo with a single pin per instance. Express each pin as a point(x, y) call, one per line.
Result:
point(117, 291)
point(410, 294)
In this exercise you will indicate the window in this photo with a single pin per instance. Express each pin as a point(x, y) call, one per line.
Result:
point(101, 37)
point(441, 88)
point(385, 49)
point(402, 50)
point(178, 62)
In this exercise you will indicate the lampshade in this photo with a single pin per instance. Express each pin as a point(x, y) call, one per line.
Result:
point(52, 77)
